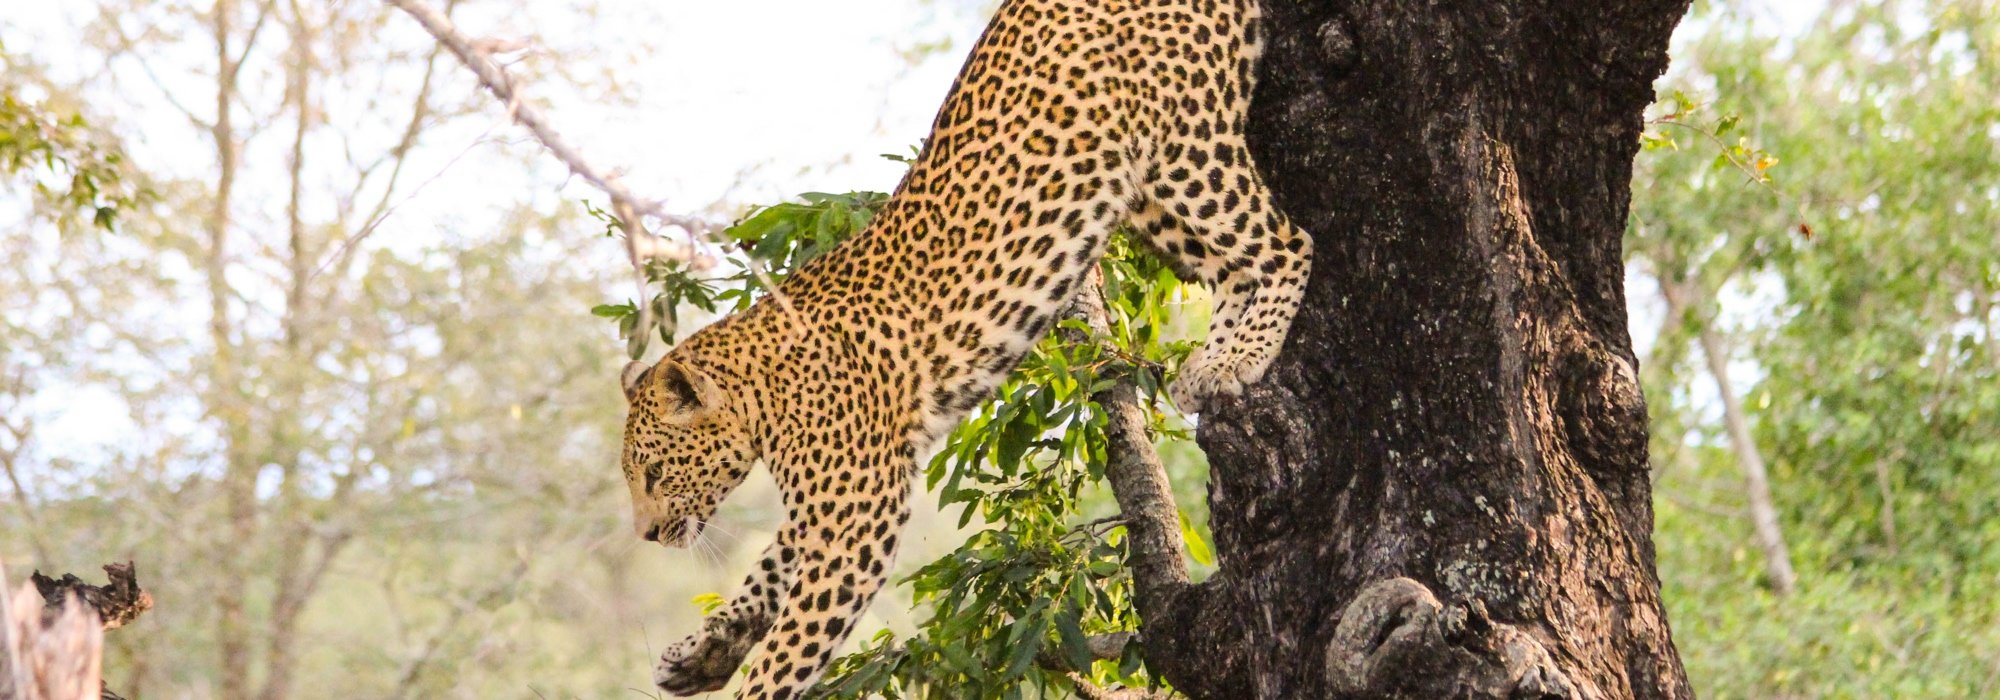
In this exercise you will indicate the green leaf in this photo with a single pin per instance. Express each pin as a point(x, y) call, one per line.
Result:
point(1197, 543)
point(612, 310)
point(1075, 647)
point(709, 603)
point(1030, 633)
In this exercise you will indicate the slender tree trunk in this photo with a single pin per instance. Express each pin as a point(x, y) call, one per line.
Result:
point(1442, 488)
point(1756, 480)
point(289, 575)
point(239, 481)
point(1679, 296)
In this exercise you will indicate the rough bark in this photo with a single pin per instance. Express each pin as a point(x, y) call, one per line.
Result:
point(1441, 490)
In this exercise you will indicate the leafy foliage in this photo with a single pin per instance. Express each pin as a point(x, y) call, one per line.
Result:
point(769, 243)
point(1863, 290)
point(74, 169)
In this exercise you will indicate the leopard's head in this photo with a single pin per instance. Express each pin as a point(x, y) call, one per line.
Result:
point(686, 447)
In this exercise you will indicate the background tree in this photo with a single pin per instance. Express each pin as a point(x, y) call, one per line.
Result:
point(304, 434)
point(1856, 301)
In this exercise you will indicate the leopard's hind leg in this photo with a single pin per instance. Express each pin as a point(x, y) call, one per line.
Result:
point(1211, 214)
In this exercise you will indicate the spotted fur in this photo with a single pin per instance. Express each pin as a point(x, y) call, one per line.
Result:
point(1071, 118)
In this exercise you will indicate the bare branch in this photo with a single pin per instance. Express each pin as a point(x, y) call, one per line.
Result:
point(232, 68)
point(495, 79)
point(8, 458)
point(414, 668)
point(108, 21)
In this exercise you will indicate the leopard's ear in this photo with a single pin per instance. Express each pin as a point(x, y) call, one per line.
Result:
point(630, 378)
point(693, 392)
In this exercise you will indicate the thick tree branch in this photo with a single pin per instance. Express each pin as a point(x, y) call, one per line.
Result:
point(1153, 541)
point(1138, 479)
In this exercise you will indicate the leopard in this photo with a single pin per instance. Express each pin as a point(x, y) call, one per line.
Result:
point(1070, 121)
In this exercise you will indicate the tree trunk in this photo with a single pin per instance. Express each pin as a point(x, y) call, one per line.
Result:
point(1756, 479)
point(226, 405)
point(1442, 489)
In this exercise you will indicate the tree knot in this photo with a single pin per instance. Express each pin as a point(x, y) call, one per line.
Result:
point(1336, 44)
point(1396, 640)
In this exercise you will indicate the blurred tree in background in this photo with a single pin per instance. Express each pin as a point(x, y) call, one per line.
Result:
point(354, 467)
point(1852, 301)
point(345, 469)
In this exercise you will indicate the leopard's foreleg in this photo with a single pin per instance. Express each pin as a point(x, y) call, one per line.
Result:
point(705, 660)
point(845, 545)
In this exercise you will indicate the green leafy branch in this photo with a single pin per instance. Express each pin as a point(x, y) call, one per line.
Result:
point(769, 242)
point(71, 165)
point(1686, 114)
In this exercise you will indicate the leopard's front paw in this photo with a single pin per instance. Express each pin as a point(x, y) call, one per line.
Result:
point(705, 660)
point(1211, 372)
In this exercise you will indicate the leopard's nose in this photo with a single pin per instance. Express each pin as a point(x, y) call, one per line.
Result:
point(653, 533)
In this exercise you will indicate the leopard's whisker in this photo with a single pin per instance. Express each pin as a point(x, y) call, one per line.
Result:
point(704, 552)
point(716, 547)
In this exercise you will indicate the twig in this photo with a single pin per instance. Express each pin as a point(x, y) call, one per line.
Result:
point(640, 246)
point(7, 459)
point(475, 56)
point(1098, 527)
point(1749, 170)
point(347, 248)
point(413, 669)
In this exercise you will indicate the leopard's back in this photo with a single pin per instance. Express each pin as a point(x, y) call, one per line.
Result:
point(1063, 116)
